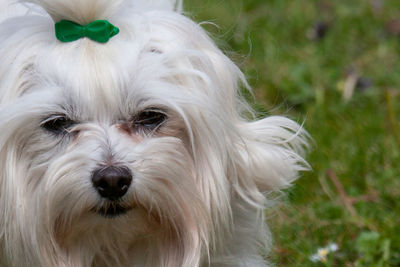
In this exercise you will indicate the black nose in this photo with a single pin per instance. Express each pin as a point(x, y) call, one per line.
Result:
point(112, 182)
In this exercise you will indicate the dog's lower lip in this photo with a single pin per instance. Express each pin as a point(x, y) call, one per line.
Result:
point(112, 211)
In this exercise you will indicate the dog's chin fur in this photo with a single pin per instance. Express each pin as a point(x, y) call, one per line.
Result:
point(199, 179)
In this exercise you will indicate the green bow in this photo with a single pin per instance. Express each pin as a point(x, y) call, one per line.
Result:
point(99, 30)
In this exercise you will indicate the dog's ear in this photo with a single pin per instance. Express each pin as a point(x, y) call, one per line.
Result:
point(270, 155)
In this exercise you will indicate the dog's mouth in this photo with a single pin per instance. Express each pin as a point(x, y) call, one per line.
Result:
point(112, 210)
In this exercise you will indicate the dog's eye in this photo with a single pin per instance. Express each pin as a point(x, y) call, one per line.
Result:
point(150, 119)
point(57, 124)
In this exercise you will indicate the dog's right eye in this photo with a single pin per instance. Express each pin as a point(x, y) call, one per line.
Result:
point(150, 119)
point(57, 124)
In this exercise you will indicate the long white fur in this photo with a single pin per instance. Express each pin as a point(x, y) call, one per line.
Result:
point(198, 190)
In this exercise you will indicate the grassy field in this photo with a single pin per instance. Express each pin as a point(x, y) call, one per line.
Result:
point(336, 66)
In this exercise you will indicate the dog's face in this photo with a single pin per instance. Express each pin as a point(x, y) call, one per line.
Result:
point(109, 150)
point(119, 144)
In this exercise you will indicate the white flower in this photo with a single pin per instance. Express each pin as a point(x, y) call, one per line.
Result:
point(322, 253)
point(333, 247)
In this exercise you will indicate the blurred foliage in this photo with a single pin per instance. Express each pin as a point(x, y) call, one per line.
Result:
point(336, 66)
point(374, 250)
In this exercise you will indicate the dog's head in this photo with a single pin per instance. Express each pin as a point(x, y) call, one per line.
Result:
point(140, 140)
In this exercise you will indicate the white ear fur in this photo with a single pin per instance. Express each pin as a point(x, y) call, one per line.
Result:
point(272, 153)
point(9, 9)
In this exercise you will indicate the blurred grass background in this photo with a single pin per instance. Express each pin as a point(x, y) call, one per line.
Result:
point(336, 66)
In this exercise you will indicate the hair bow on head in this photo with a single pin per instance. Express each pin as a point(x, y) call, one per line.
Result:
point(99, 30)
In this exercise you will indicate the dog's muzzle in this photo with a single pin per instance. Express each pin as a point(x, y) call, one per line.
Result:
point(112, 183)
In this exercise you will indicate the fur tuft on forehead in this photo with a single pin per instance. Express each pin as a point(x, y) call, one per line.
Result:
point(86, 11)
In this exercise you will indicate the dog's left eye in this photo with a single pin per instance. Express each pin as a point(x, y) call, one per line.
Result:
point(57, 124)
point(150, 119)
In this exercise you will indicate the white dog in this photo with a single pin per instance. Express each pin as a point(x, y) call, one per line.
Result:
point(134, 150)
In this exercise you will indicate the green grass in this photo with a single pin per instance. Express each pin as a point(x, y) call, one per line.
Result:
point(356, 141)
